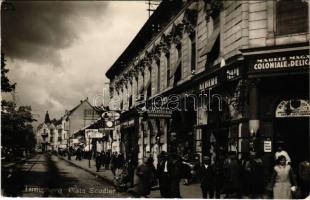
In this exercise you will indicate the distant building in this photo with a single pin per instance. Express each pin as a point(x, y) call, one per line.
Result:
point(81, 116)
point(45, 134)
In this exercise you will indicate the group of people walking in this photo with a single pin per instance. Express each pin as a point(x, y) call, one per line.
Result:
point(223, 175)
point(226, 176)
point(112, 161)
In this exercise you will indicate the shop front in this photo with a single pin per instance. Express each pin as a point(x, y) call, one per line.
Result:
point(279, 100)
point(129, 135)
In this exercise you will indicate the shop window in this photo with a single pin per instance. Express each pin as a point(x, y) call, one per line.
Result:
point(149, 91)
point(178, 72)
point(158, 75)
point(168, 68)
point(121, 105)
point(291, 16)
point(130, 101)
point(193, 52)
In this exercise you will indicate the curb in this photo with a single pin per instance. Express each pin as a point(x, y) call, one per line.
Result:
point(105, 179)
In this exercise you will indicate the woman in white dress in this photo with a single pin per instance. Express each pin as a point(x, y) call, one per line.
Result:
point(283, 179)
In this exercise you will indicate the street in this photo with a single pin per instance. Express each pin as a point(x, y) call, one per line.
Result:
point(48, 176)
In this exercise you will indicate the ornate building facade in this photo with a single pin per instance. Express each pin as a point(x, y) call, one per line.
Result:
point(202, 76)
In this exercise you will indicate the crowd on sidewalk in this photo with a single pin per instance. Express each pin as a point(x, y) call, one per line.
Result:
point(221, 176)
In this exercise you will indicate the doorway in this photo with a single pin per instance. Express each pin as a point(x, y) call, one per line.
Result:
point(295, 134)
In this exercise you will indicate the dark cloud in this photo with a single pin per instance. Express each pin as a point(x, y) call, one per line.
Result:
point(37, 30)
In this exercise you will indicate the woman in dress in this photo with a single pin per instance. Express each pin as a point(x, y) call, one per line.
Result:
point(283, 179)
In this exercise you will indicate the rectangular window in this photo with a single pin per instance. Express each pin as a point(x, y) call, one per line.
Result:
point(158, 75)
point(168, 69)
point(193, 53)
point(291, 17)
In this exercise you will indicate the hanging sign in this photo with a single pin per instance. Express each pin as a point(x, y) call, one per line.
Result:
point(93, 133)
point(293, 108)
point(267, 146)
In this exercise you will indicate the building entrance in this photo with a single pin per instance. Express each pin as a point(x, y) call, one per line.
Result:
point(295, 134)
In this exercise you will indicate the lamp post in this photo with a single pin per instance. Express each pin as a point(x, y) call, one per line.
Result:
point(89, 157)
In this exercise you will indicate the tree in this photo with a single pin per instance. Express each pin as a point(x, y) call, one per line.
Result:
point(17, 130)
point(6, 86)
point(16, 121)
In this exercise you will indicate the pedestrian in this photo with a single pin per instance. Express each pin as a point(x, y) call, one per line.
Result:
point(131, 171)
point(253, 176)
point(103, 158)
point(107, 160)
point(150, 163)
point(219, 174)
point(186, 170)
point(98, 161)
point(174, 170)
point(113, 163)
point(283, 179)
point(231, 176)
point(144, 173)
point(120, 161)
point(304, 179)
point(206, 174)
point(281, 152)
point(163, 175)
point(78, 154)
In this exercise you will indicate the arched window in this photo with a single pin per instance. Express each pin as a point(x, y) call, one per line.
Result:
point(291, 16)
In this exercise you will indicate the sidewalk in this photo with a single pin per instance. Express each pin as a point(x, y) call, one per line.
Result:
point(191, 191)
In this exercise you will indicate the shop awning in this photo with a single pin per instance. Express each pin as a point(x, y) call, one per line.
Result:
point(211, 41)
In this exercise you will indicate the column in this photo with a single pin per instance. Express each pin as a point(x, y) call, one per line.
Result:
point(253, 107)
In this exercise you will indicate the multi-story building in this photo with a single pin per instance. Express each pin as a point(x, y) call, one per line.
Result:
point(81, 116)
point(47, 136)
point(204, 77)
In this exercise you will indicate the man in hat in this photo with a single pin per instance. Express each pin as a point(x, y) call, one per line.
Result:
point(207, 178)
point(281, 152)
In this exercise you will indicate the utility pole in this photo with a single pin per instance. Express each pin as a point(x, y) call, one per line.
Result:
point(152, 5)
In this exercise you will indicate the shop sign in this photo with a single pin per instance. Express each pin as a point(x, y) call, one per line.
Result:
point(283, 62)
point(233, 73)
point(293, 108)
point(208, 83)
point(93, 133)
point(159, 113)
point(267, 146)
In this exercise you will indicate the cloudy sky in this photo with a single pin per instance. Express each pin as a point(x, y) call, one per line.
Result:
point(58, 52)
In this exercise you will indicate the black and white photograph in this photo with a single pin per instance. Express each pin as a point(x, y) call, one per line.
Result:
point(194, 99)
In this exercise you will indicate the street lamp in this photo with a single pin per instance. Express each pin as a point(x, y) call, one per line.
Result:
point(89, 157)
